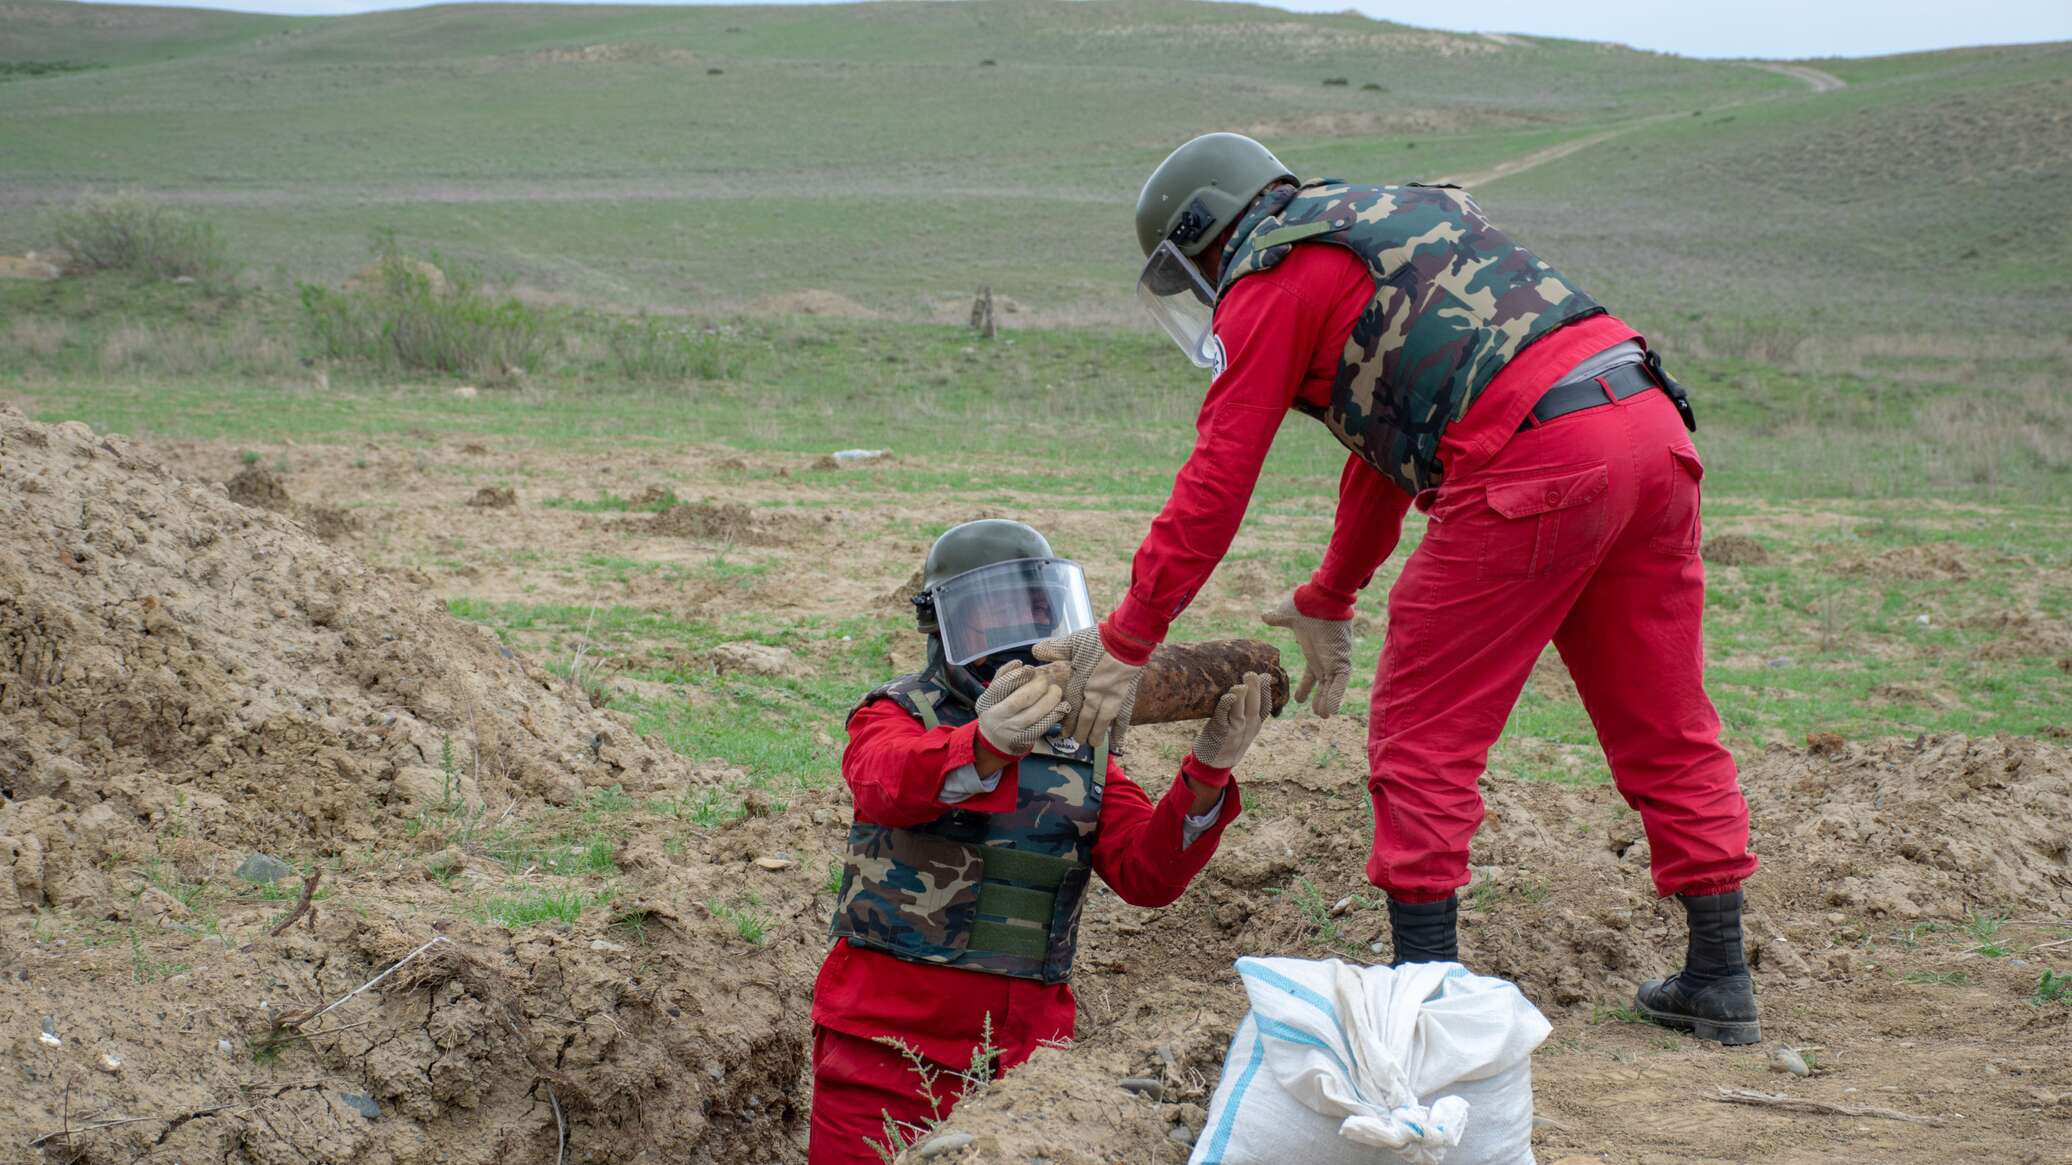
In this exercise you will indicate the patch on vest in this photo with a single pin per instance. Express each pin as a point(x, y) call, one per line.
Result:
point(1217, 358)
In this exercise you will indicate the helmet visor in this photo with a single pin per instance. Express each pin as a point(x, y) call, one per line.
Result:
point(1010, 604)
point(1181, 302)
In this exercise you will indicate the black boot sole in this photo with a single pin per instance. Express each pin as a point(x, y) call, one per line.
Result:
point(1732, 1033)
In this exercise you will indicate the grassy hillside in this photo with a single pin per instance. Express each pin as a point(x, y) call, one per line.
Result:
point(55, 32)
point(596, 152)
point(899, 154)
point(1871, 276)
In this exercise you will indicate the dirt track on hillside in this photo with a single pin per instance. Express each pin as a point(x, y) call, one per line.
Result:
point(185, 680)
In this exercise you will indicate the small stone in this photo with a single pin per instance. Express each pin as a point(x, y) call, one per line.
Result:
point(48, 1037)
point(1784, 1058)
point(946, 1143)
point(1377, 947)
point(223, 1047)
point(362, 1104)
point(1777, 662)
point(108, 1062)
point(263, 869)
point(774, 863)
point(601, 944)
point(1181, 1134)
point(1144, 1086)
point(1339, 907)
point(1921, 619)
point(1835, 919)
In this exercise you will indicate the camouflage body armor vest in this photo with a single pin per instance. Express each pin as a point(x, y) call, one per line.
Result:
point(1454, 300)
point(992, 892)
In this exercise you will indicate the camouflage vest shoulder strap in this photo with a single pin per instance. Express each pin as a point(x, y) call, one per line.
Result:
point(924, 700)
point(1454, 301)
point(999, 893)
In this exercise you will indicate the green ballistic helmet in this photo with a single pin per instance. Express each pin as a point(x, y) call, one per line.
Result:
point(1203, 187)
point(967, 547)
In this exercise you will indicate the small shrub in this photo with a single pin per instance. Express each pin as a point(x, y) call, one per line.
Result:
point(406, 319)
point(1337, 82)
point(126, 233)
point(648, 349)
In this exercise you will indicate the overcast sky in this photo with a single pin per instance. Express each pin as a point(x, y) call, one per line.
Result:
point(1698, 28)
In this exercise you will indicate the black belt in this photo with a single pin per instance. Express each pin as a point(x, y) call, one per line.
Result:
point(1623, 381)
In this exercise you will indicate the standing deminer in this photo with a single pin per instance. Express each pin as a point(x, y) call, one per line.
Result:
point(1550, 453)
point(978, 828)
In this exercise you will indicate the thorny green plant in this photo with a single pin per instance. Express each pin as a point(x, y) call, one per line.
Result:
point(2053, 988)
point(1984, 931)
point(969, 1084)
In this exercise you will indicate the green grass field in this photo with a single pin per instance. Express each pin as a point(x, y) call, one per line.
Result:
point(1866, 288)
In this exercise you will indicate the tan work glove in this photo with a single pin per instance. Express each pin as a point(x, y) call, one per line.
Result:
point(1019, 706)
point(1327, 654)
point(1102, 689)
point(1229, 732)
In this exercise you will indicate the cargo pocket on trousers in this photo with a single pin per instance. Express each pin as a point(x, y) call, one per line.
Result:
point(1544, 523)
point(1677, 530)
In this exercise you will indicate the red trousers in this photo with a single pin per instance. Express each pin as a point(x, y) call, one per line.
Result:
point(1583, 532)
point(857, 1083)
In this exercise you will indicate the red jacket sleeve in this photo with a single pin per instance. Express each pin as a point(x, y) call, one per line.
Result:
point(896, 768)
point(1269, 334)
point(1138, 852)
point(1364, 534)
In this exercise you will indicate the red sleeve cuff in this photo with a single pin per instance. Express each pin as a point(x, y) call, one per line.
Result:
point(1132, 645)
point(979, 738)
point(1202, 774)
point(1317, 601)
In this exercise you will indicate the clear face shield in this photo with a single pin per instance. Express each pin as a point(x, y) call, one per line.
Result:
point(1007, 605)
point(1181, 301)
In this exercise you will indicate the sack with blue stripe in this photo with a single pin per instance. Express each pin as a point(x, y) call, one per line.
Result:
point(1338, 1064)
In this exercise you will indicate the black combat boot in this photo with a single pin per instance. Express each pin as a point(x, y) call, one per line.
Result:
point(1712, 997)
point(1425, 932)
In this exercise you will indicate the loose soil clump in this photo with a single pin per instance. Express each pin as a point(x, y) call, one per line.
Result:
point(1735, 550)
point(718, 522)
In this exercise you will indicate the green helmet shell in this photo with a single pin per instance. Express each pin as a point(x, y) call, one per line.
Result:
point(1203, 187)
point(972, 545)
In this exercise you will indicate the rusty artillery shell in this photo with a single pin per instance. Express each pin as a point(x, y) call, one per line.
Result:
point(1183, 681)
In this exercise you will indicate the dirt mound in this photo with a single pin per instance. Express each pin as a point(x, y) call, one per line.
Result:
point(1937, 561)
point(185, 681)
point(1735, 550)
point(262, 489)
point(492, 497)
point(719, 522)
point(258, 488)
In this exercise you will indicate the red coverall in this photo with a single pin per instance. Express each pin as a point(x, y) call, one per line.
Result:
point(895, 769)
point(1583, 532)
